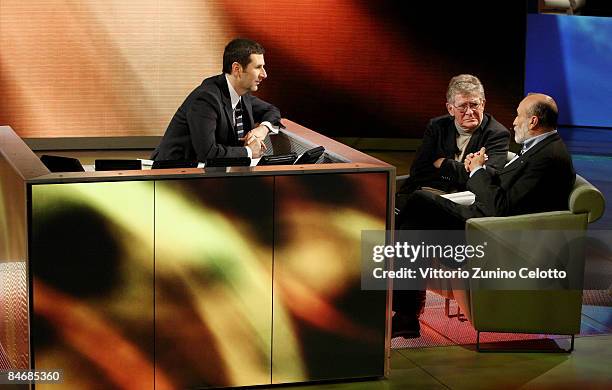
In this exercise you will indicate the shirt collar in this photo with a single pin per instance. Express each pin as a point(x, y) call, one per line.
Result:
point(233, 94)
point(531, 142)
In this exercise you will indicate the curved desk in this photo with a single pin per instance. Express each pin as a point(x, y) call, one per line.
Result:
point(187, 278)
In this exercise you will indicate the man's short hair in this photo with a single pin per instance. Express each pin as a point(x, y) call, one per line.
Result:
point(464, 84)
point(239, 50)
point(547, 113)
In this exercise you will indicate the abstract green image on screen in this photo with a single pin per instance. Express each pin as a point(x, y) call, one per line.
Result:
point(206, 282)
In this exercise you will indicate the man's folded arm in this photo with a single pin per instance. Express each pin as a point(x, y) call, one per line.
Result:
point(271, 128)
point(494, 201)
point(453, 171)
point(496, 147)
point(266, 114)
point(425, 156)
point(497, 150)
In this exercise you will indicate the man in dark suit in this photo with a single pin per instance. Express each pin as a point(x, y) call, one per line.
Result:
point(448, 139)
point(219, 118)
point(539, 179)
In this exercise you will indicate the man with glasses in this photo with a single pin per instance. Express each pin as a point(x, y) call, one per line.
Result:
point(438, 164)
point(439, 168)
point(539, 179)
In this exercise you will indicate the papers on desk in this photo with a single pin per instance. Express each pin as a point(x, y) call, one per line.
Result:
point(463, 197)
point(146, 163)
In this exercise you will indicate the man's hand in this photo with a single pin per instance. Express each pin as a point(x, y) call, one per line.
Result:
point(257, 147)
point(475, 160)
point(438, 162)
point(260, 132)
point(254, 139)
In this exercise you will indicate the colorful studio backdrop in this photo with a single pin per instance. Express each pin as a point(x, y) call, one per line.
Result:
point(343, 68)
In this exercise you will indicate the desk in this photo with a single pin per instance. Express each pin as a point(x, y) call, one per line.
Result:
point(181, 278)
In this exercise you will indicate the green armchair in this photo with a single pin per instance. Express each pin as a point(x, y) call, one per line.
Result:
point(543, 311)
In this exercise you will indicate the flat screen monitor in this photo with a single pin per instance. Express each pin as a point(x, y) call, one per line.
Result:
point(61, 163)
point(310, 156)
point(170, 164)
point(279, 159)
point(118, 165)
point(228, 162)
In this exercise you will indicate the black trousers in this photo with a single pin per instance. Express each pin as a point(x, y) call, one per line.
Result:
point(423, 210)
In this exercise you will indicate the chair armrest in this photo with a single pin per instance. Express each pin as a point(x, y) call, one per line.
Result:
point(550, 220)
point(400, 180)
point(586, 198)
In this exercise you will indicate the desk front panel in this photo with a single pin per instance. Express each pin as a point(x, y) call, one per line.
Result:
point(213, 281)
point(209, 281)
point(92, 272)
point(325, 326)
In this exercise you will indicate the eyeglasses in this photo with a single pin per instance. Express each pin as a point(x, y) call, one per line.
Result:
point(464, 107)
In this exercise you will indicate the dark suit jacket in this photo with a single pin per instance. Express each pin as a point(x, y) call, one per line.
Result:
point(539, 180)
point(203, 125)
point(439, 140)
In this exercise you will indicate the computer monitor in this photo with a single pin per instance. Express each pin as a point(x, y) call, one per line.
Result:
point(227, 162)
point(279, 159)
point(118, 165)
point(61, 163)
point(170, 164)
point(310, 156)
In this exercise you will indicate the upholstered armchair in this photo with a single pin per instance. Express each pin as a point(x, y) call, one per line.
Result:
point(555, 311)
point(527, 311)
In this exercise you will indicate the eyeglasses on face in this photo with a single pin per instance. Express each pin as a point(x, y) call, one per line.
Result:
point(464, 107)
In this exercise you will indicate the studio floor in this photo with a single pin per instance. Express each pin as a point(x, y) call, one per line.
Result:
point(461, 367)
point(445, 356)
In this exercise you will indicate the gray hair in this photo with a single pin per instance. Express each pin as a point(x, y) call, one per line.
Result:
point(464, 84)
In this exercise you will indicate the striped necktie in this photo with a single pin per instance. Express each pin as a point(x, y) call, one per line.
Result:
point(238, 119)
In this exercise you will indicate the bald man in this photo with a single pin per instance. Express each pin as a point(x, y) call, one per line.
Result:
point(539, 179)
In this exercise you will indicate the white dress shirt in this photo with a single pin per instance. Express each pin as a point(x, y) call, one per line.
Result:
point(235, 98)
